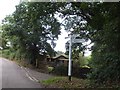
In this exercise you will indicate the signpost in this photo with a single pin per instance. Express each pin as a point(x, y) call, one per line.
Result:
point(72, 40)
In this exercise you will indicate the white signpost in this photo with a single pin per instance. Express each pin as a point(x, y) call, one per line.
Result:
point(72, 40)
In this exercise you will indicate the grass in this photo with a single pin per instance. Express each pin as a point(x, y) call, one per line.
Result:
point(51, 80)
point(63, 82)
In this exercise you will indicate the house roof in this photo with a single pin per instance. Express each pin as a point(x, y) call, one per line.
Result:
point(60, 56)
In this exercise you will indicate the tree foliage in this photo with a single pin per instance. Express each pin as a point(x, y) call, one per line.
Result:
point(31, 27)
point(102, 28)
point(106, 50)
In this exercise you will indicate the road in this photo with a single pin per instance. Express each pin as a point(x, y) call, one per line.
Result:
point(15, 77)
point(0, 74)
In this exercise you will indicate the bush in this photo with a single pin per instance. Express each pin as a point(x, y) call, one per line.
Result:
point(50, 69)
point(79, 72)
point(12, 55)
point(60, 70)
point(5, 53)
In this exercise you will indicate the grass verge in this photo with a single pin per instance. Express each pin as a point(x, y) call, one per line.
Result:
point(63, 82)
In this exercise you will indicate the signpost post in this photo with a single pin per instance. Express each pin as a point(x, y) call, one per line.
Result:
point(72, 40)
point(69, 65)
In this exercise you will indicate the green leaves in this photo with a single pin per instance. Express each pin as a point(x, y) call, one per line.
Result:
point(101, 26)
point(106, 51)
point(30, 28)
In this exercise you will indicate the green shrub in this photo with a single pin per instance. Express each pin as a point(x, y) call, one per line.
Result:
point(5, 53)
point(50, 69)
point(60, 70)
point(79, 72)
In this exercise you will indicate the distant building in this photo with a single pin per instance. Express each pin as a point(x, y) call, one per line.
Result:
point(58, 60)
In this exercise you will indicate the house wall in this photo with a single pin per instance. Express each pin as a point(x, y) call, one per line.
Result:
point(57, 61)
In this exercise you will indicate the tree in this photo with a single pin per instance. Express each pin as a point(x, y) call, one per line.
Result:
point(31, 27)
point(101, 26)
point(106, 49)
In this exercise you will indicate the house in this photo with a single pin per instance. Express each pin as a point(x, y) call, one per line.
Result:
point(58, 60)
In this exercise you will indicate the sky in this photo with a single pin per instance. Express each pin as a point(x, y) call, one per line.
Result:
point(7, 7)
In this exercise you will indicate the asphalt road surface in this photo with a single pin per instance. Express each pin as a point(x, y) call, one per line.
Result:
point(0, 74)
point(15, 77)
